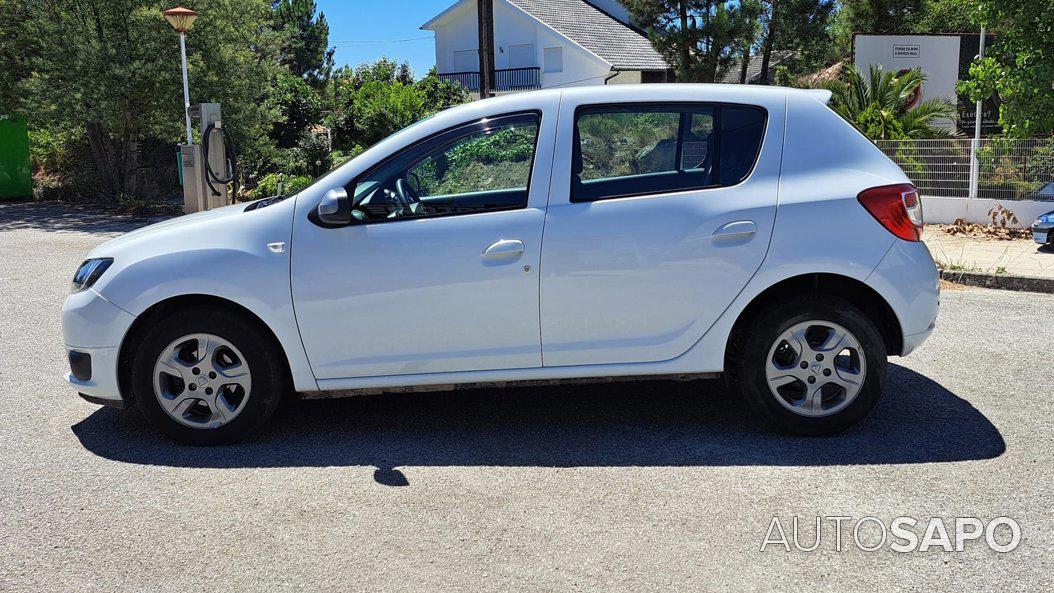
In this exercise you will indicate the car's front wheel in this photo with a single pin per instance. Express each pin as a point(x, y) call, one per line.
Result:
point(811, 365)
point(204, 376)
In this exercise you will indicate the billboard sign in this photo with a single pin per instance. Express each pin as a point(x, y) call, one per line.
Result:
point(943, 59)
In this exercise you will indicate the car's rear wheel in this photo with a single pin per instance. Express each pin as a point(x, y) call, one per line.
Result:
point(811, 365)
point(204, 376)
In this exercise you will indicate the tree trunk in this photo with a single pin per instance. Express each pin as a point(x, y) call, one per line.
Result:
point(770, 37)
point(713, 48)
point(116, 163)
point(103, 155)
point(744, 65)
point(130, 158)
point(685, 50)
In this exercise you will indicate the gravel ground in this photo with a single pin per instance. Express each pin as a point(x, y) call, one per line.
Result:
point(639, 486)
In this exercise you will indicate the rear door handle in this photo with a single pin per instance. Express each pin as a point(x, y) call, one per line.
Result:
point(739, 228)
point(504, 247)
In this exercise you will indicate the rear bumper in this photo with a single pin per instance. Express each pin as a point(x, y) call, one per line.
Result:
point(907, 278)
point(94, 326)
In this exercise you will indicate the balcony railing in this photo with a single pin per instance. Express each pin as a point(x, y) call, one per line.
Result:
point(469, 80)
point(508, 79)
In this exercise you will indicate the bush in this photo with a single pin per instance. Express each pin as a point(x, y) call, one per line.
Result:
point(268, 185)
point(339, 157)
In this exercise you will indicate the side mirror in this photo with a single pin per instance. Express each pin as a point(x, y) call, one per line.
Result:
point(335, 207)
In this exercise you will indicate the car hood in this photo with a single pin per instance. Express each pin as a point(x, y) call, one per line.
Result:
point(177, 224)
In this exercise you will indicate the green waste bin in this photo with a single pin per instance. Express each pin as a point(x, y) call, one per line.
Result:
point(16, 180)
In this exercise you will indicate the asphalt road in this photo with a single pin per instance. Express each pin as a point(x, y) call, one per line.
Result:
point(639, 486)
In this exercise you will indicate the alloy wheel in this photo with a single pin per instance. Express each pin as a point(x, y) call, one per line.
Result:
point(202, 380)
point(815, 368)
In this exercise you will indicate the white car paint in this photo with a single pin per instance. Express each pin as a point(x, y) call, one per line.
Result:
point(630, 286)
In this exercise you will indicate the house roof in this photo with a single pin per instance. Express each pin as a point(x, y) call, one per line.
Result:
point(754, 66)
point(615, 42)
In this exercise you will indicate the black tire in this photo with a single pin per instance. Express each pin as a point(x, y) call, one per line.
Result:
point(270, 377)
point(749, 348)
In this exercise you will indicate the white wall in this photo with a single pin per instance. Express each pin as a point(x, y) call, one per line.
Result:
point(946, 210)
point(938, 57)
point(456, 32)
point(459, 31)
point(580, 67)
point(626, 77)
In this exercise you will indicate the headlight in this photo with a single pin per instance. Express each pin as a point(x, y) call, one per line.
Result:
point(89, 272)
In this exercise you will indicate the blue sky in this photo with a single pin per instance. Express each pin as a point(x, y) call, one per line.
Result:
point(365, 30)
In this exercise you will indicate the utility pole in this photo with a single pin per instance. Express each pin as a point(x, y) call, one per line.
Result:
point(485, 14)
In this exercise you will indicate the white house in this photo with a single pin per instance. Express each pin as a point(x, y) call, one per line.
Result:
point(546, 43)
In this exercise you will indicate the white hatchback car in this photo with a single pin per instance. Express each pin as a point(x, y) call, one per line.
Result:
point(646, 230)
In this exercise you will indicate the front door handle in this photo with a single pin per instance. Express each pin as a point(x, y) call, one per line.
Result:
point(739, 228)
point(504, 247)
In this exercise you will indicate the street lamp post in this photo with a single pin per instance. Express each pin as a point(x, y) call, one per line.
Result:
point(182, 19)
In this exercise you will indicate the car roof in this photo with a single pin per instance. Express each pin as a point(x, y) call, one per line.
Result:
point(662, 91)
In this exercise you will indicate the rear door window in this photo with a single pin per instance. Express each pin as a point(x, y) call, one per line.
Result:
point(639, 149)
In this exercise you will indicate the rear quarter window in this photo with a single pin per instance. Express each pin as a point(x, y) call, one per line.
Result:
point(639, 149)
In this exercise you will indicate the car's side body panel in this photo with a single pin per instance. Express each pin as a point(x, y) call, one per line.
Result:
point(907, 279)
point(641, 279)
point(819, 228)
point(233, 263)
point(419, 294)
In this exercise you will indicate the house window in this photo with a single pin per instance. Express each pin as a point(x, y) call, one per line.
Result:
point(522, 56)
point(466, 60)
point(553, 59)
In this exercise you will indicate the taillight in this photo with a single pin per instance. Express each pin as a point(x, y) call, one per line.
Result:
point(898, 207)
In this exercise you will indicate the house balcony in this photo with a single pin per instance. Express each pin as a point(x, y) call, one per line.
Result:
point(505, 80)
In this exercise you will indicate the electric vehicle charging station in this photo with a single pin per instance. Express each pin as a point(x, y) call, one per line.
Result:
point(210, 165)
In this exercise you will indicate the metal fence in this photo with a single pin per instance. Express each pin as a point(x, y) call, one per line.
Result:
point(506, 79)
point(1007, 169)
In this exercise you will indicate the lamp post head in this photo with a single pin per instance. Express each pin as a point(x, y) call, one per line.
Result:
point(182, 19)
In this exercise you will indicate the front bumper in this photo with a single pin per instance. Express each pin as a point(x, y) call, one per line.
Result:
point(1041, 232)
point(94, 326)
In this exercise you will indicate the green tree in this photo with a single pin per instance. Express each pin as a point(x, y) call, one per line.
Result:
point(878, 106)
point(882, 16)
point(374, 100)
point(946, 16)
point(438, 94)
point(298, 106)
point(1019, 66)
point(381, 109)
point(15, 58)
point(799, 26)
point(111, 70)
point(699, 37)
point(305, 39)
point(874, 16)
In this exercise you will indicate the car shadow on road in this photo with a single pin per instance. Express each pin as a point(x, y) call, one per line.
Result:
point(645, 423)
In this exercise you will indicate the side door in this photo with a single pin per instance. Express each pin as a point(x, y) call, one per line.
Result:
point(439, 273)
point(659, 214)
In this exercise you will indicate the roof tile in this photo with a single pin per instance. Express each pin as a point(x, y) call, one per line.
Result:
point(624, 47)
